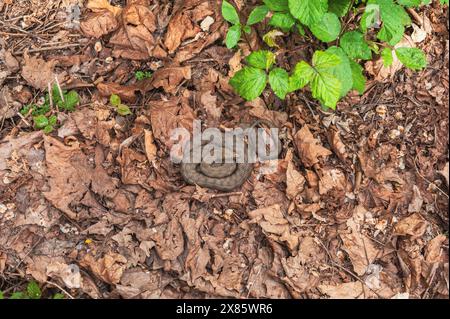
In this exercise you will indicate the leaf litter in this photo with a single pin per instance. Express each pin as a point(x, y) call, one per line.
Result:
point(357, 207)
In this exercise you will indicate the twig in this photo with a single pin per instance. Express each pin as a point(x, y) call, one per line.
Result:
point(70, 45)
point(60, 288)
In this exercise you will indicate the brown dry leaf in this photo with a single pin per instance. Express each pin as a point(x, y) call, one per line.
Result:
point(235, 63)
point(38, 73)
point(416, 202)
point(295, 181)
point(360, 248)
point(99, 5)
point(183, 24)
point(18, 144)
point(274, 225)
point(346, 290)
point(69, 274)
point(98, 24)
point(134, 39)
point(3, 259)
point(309, 148)
point(260, 111)
point(109, 268)
point(166, 116)
point(332, 178)
point(137, 281)
point(337, 145)
point(126, 93)
point(169, 240)
point(69, 175)
point(414, 225)
point(171, 77)
point(433, 250)
point(8, 104)
point(150, 147)
point(303, 270)
point(209, 102)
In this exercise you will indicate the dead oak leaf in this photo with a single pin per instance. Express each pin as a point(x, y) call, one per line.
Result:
point(309, 148)
point(134, 39)
point(99, 5)
point(360, 248)
point(414, 225)
point(274, 225)
point(295, 181)
point(37, 72)
point(171, 77)
point(108, 268)
point(98, 24)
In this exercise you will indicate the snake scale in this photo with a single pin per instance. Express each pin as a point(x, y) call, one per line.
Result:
point(219, 176)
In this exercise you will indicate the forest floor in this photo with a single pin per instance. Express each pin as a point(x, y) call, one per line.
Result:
point(358, 207)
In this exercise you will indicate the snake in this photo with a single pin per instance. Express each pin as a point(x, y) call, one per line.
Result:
point(220, 176)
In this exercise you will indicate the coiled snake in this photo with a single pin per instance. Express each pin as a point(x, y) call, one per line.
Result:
point(222, 176)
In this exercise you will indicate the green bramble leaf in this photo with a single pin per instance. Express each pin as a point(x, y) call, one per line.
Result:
point(302, 75)
point(233, 36)
point(58, 296)
point(261, 59)
point(359, 80)
point(277, 5)
point(327, 29)
point(257, 15)
point(279, 82)
point(387, 57)
point(342, 71)
point(339, 7)
point(308, 11)
point(412, 58)
point(283, 20)
point(249, 82)
point(229, 13)
point(355, 46)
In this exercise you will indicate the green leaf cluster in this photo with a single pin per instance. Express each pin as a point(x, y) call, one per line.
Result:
point(337, 70)
point(43, 115)
point(33, 291)
point(121, 108)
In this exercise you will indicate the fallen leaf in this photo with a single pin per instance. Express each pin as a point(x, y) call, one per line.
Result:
point(274, 225)
point(98, 24)
point(108, 268)
point(360, 248)
point(309, 148)
point(416, 203)
point(150, 147)
point(414, 225)
point(38, 73)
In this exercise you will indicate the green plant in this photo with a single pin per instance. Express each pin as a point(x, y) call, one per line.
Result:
point(141, 75)
point(333, 71)
point(33, 291)
point(44, 117)
point(122, 109)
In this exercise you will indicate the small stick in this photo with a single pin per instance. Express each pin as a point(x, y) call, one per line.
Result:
point(60, 288)
point(60, 91)
point(50, 95)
